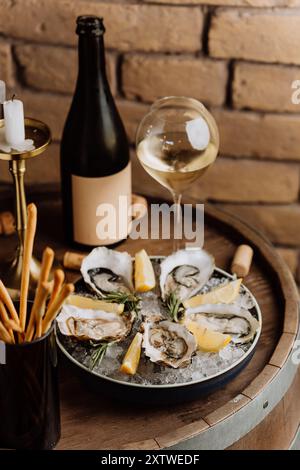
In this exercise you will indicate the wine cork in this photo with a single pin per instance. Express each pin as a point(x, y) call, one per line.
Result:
point(7, 223)
point(242, 260)
point(73, 260)
point(139, 206)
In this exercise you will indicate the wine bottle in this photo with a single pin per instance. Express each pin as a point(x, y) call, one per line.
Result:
point(95, 164)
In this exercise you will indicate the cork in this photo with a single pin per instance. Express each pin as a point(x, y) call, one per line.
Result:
point(7, 223)
point(73, 260)
point(242, 260)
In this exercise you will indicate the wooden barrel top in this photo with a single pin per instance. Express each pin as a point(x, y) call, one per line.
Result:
point(222, 419)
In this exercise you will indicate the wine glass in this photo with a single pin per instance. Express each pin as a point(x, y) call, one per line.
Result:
point(176, 142)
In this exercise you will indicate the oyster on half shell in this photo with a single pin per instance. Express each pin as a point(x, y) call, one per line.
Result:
point(94, 325)
point(108, 271)
point(184, 273)
point(226, 318)
point(168, 343)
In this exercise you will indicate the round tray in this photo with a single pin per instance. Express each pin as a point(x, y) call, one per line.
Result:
point(164, 393)
point(258, 409)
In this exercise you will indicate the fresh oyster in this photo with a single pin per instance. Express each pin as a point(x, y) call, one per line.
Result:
point(108, 271)
point(168, 343)
point(184, 273)
point(95, 325)
point(226, 318)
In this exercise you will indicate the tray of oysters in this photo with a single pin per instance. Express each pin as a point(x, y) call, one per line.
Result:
point(158, 323)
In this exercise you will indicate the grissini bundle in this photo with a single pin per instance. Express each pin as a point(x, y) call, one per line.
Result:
point(15, 328)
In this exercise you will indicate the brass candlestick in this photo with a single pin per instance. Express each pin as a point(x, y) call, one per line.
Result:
point(12, 268)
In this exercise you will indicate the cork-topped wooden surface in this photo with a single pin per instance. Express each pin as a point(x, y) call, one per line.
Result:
point(91, 421)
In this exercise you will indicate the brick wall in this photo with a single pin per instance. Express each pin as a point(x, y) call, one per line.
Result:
point(237, 56)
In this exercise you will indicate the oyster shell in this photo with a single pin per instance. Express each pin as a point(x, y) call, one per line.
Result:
point(226, 318)
point(95, 325)
point(107, 271)
point(168, 343)
point(185, 272)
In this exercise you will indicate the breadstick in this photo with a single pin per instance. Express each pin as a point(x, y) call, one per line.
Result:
point(242, 260)
point(5, 297)
point(28, 247)
point(41, 306)
point(73, 260)
point(55, 307)
point(13, 325)
point(5, 319)
point(40, 298)
point(5, 334)
point(2, 338)
point(47, 260)
point(59, 277)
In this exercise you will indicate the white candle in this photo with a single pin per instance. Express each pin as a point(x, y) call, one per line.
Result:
point(14, 122)
point(2, 92)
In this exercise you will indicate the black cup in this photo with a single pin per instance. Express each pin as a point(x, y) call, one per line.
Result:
point(29, 398)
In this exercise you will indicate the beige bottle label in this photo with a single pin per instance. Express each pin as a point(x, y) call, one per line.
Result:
point(101, 214)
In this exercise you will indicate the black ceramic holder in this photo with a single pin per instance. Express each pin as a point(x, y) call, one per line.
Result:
point(29, 399)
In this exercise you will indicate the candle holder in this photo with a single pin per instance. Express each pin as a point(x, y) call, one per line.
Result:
point(11, 269)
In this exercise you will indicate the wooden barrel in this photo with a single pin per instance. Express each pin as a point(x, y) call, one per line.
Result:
point(259, 409)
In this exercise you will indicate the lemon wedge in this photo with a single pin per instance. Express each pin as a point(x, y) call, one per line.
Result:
point(224, 294)
point(132, 357)
point(87, 303)
point(207, 340)
point(144, 277)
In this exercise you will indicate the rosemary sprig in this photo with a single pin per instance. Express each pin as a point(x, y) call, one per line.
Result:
point(98, 353)
point(174, 307)
point(130, 300)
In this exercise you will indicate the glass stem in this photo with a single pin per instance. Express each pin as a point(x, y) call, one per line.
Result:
point(177, 233)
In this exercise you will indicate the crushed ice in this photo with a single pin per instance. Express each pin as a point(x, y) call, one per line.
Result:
point(203, 365)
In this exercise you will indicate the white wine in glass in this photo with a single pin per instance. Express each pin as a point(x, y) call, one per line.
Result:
point(177, 141)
